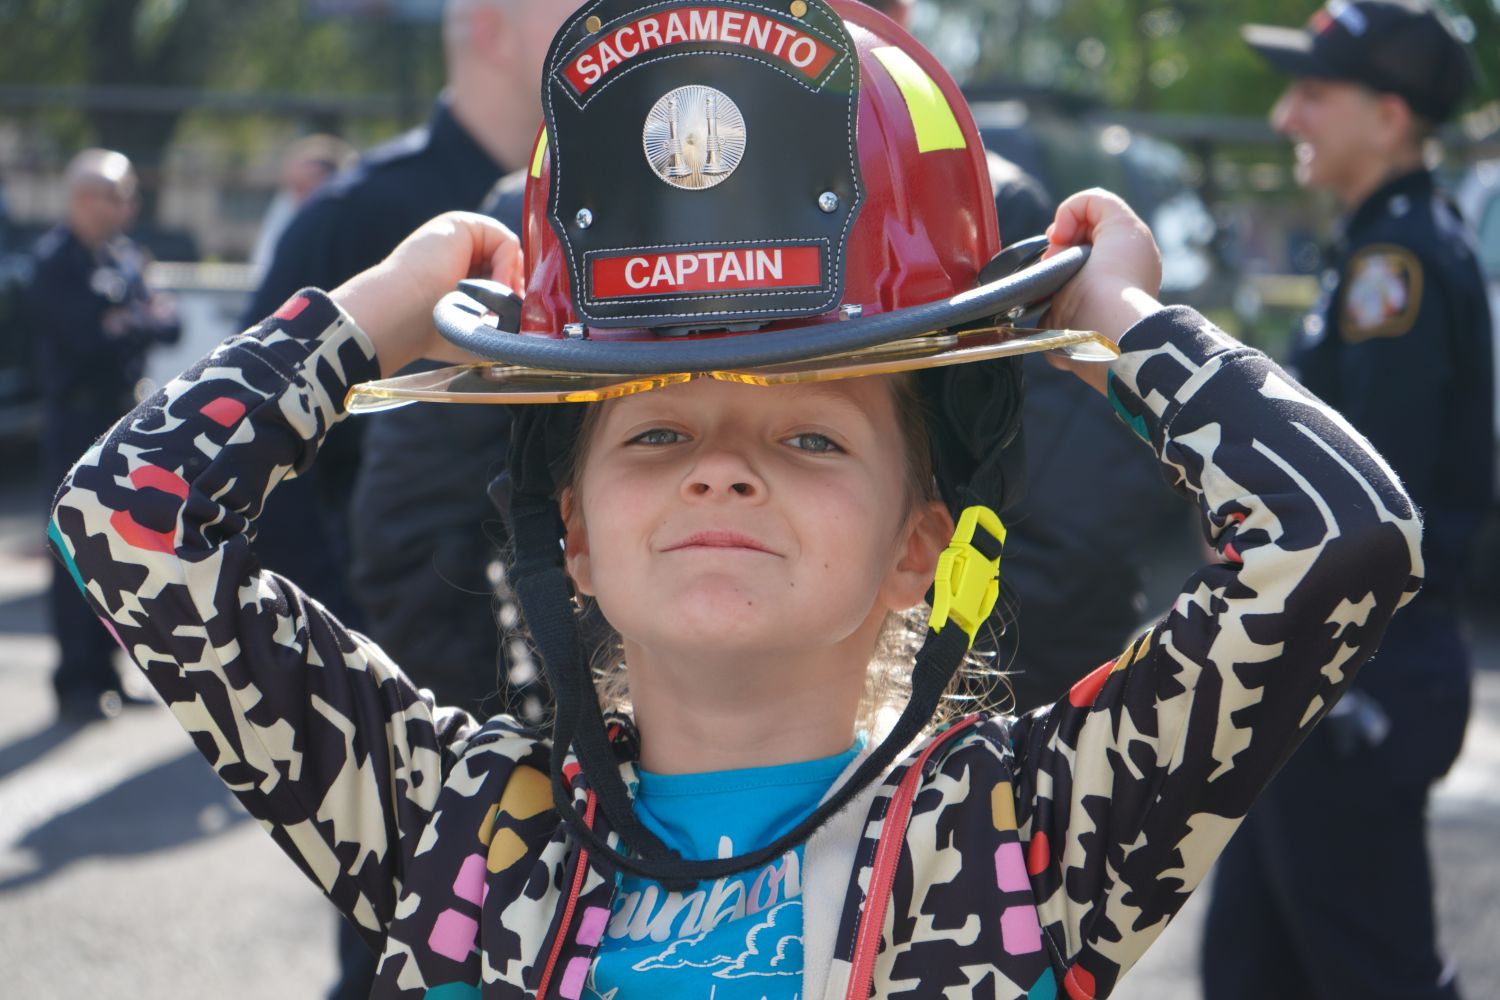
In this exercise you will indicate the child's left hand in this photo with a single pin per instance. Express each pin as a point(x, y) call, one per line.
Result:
point(393, 301)
point(1117, 287)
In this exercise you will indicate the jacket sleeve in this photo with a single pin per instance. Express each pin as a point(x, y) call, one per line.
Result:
point(310, 725)
point(1130, 786)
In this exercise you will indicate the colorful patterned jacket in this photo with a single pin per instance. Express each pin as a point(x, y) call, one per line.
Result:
point(1007, 857)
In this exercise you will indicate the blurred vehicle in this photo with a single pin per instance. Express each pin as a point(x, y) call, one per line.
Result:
point(1479, 200)
point(1068, 153)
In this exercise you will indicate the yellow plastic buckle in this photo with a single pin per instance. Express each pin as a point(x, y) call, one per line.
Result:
point(967, 582)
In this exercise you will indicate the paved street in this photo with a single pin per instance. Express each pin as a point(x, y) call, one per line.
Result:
point(125, 870)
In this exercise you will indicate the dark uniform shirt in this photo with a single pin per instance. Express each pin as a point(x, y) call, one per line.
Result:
point(350, 224)
point(1401, 346)
point(83, 367)
point(426, 534)
point(1074, 577)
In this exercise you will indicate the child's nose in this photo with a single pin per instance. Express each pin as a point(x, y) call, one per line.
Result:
point(723, 472)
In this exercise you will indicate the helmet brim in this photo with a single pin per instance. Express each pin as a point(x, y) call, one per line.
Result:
point(499, 383)
point(463, 323)
point(532, 369)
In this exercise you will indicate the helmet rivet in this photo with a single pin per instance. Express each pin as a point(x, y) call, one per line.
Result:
point(593, 24)
point(851, 311)
point(574, 331)
point(828, 202)
point(799, 8)
point(585, 218)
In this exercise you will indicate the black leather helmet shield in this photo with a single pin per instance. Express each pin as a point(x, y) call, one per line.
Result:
point(738, 202)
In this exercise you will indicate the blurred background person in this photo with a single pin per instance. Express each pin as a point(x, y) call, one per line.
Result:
point(93, 318)
point(1326, 890)
point(356, 218)
point(308, 164)
point(425, 538)
point(417, 556)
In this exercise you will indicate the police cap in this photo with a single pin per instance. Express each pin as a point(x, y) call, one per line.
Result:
point(1397, 47)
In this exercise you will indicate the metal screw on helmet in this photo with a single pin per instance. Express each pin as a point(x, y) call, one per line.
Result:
point(575, 331)
point(828, 202)
point(851, 311)
point(585, 218)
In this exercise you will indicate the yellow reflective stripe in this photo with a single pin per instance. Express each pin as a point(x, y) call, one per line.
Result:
point(931, 115)
point(536, 158)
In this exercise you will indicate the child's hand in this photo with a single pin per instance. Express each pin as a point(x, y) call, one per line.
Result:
point(1119, 284)
point(393, 301)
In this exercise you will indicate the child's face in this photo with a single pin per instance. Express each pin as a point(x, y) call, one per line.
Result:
point(739, 519)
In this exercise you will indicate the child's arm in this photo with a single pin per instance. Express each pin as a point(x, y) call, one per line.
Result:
point(316, 732)
point(1129, 788)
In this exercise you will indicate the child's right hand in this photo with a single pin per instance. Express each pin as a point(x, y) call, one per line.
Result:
point(393, 301)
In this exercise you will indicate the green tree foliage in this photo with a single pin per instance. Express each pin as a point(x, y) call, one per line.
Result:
point(266, 47)
point(1185, 56)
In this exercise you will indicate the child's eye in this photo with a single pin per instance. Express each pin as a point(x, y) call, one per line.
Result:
point(815, 443)
point(658, 436)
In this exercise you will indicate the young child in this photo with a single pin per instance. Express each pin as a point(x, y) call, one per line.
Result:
point(751, 532)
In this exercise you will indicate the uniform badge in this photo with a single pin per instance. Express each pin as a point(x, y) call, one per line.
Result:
point(1382, 293)
point(694, 137)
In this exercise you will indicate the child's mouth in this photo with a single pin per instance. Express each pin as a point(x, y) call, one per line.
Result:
point(718, 540)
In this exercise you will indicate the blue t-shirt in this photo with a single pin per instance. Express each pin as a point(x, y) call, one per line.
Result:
point(737, 938)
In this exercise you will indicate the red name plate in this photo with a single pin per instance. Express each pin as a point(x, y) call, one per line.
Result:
point(728, 270)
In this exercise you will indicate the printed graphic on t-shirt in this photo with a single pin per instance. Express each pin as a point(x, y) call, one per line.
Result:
point(737, 938)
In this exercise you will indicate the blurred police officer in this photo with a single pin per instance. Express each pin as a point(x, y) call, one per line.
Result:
point(483, 126)
point(1326, 891)
point(425, 535)
point(396, 510)
point(92, 317)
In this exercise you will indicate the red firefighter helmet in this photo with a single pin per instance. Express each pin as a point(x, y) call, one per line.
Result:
point(734, 184)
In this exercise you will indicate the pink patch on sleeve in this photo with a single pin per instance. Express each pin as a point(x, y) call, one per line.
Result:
point(224, 411)
point(1020, 931)
point(154, 477)
point(591, 927)
point(470, 882)
point(453, 935)
point(136, 536)
point(1039, 854)
point(1010, 868)
point(1085, 691)
point(292, 307)
point(573, 978)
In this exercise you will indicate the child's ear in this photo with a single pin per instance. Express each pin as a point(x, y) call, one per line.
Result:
point(929, 529)
point(575, 542)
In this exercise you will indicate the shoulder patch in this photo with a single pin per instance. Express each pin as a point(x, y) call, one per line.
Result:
point(1382, 293)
